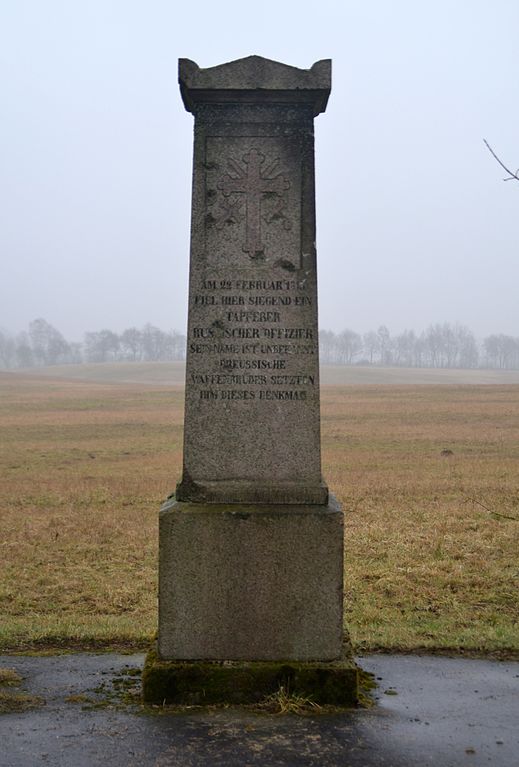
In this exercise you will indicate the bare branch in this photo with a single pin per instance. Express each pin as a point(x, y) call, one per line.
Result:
point(470, 499)
point(512, 176)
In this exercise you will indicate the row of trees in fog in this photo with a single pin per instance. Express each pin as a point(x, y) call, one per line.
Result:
point(442, 345)
point(439, 346)
point(43, 344)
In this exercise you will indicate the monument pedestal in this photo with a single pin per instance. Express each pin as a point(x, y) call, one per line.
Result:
point(250, 582)
point(250, 599)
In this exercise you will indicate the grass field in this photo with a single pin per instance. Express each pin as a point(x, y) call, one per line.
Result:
point(431, 537)
point(173, 374)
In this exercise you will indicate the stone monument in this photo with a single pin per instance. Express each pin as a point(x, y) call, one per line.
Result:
point(251, 544)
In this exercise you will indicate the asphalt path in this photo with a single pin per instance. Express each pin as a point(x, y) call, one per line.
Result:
point(446, 712)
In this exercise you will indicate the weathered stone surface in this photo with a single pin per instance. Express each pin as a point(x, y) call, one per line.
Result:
point(255, 80)
point(250, 582)
point(252, 428)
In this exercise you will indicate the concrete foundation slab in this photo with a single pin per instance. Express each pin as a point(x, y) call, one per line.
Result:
point(246, 682)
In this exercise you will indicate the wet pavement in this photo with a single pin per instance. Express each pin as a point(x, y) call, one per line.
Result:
point(429, 711)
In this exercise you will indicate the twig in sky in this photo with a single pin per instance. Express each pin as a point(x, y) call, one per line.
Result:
point(512, 176)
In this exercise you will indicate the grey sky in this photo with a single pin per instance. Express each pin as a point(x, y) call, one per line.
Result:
point(415, 224)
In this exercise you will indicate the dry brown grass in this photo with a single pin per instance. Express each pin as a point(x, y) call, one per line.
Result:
point(84, 469)
point(431, 538)
point(85, 466)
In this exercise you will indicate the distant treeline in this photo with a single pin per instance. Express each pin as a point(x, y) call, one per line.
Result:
point(440, 346)
point(44, 345)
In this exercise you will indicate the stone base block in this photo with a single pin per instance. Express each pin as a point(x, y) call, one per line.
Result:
point(246, 582)
point(246, 682)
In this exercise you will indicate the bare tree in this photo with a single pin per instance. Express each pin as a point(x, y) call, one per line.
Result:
point(511, 175)
point(177, 345)
point(384, 345)
point(7, 350)
point(48, 345)
point(404, 346)
point(501, 351)
point(101, 346)
point(328, 346)
point(371, 344)
point(349, 345)
point(154, 343)
point(24, 353)
point(131, 343)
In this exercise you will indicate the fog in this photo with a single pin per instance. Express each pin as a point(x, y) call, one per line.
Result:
point(415, 223)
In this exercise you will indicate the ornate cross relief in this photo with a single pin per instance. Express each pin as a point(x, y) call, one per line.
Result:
point(257, 182)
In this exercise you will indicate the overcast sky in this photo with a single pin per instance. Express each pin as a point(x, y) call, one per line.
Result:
point(415, 224)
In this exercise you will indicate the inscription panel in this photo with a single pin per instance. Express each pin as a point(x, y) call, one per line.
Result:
point(243, 338)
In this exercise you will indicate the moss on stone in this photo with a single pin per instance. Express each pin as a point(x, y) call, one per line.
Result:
point(245, 682)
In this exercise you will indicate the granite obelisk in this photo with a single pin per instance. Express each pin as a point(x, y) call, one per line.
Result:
point(251, 545)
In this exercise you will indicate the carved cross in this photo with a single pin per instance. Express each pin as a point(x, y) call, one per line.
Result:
point(253, 181)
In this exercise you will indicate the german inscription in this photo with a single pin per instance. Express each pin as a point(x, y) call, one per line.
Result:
point(248, 352)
